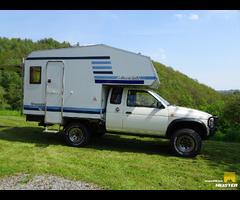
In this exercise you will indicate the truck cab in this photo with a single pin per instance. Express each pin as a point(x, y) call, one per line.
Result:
point(144, 112)
point(136, 111)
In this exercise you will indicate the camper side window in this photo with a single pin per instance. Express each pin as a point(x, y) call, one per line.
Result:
point(35, 75)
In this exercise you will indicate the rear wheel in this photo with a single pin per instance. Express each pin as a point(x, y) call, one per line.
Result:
point(186, 143)
point(76, 134)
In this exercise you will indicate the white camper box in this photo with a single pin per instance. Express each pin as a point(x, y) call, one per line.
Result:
point(72, 82)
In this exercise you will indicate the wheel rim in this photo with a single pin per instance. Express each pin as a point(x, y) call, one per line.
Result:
point(75, 135)
point(185, 143)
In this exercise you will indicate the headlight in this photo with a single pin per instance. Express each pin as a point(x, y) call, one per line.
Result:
point(212, 122)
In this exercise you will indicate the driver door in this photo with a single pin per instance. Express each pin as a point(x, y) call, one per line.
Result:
point(141, 114)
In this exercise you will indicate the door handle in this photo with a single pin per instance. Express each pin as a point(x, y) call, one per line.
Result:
point(129, 113)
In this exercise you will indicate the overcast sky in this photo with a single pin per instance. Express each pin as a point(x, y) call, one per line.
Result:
point(204, 45)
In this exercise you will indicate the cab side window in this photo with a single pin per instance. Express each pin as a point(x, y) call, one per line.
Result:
point(138, 98)
point(116, 96)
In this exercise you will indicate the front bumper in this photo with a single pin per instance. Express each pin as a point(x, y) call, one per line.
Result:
point(213, 125)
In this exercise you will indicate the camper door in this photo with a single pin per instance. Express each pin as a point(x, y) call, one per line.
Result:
point(54, 92)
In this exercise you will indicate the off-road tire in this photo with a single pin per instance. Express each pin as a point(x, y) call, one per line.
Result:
point(77, 135)
point(186, 143)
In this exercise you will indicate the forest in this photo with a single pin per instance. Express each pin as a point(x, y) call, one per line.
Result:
point(175, 87)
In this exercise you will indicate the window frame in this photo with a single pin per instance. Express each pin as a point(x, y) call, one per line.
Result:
point(33, 70)
point(117, 99)
point(140, 106)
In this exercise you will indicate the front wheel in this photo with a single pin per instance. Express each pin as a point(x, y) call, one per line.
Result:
point(186, 143)
point(76, 134)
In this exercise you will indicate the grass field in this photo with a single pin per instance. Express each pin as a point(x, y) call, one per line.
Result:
point(114, 161)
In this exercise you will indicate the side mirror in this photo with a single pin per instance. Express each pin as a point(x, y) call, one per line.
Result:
point(160, 105)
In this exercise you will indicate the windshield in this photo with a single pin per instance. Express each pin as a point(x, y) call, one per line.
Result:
point(160, 98)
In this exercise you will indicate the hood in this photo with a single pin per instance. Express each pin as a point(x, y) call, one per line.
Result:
point(187, 112)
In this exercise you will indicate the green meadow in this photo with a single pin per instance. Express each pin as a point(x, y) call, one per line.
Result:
point(114, 162)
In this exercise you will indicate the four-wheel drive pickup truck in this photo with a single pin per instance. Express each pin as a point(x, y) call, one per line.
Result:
point(144, 112)
point(97, 89)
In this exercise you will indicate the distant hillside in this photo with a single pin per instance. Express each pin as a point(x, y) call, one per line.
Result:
point(181, 90)
point(175, 87)
point(229, 92)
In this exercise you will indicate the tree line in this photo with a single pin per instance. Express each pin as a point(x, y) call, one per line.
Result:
point(11, 52)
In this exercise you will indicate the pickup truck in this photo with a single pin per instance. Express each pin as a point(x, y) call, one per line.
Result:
point(143, 112)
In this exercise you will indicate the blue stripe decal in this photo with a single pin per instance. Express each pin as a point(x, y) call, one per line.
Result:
point(102, 72)
point(71, 58)
point(138, 82)
point(83, 110)
point(101, 62)
point(117, 79)
point(105, 77)
point(101, 67)
point(53, 108)
point(147, 78)
point(65, 109)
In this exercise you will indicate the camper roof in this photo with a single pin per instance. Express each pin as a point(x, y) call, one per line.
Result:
point(84, 47)
point(109, 65)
